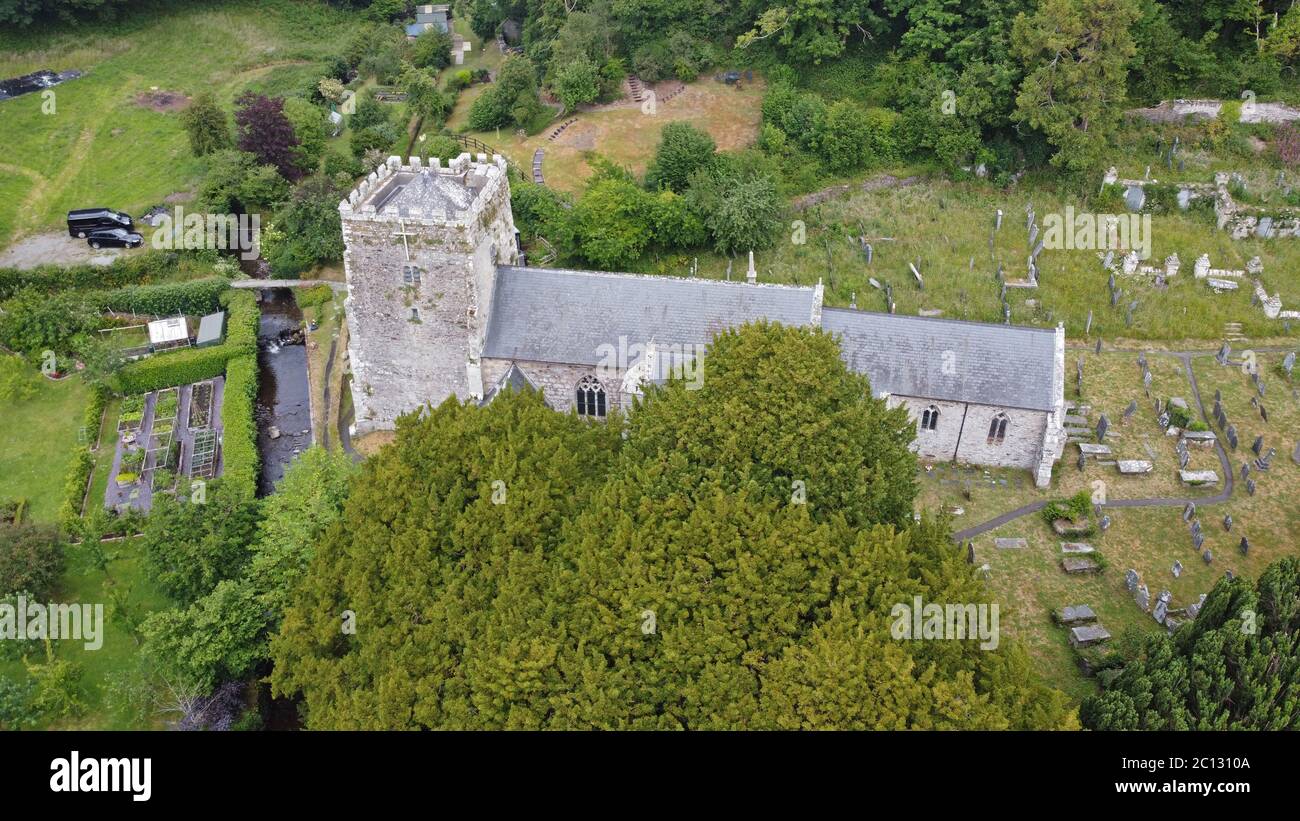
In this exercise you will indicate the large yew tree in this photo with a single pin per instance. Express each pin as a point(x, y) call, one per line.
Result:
point(722, 557)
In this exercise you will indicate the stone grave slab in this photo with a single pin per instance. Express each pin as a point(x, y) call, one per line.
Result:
point(1076, 614)
point(1076, 547)
point(1088, 635)
point(1134, 467)
point(1010, 544)
point(1079, 565)
point(1199, 477)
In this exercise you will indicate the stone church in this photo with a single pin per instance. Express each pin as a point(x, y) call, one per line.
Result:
point(439, 304)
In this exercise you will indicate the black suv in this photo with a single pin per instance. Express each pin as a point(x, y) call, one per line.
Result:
point(114, 238)
point(82, 221)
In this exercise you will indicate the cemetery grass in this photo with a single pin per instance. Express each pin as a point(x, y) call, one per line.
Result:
point(1030, 583)
point(100, 147)
point(944, 225)
point(36, 442)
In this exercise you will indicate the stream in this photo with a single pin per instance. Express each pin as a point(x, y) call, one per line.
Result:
point(283, 409)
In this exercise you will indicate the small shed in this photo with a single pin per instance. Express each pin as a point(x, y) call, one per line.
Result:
point(171, 332)
point(211, 328)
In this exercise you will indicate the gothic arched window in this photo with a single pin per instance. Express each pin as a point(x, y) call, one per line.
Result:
point(590, 395)
point(930, 418)
point(998, 429)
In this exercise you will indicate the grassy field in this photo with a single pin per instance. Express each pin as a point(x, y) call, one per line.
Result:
point(621, 131)
point(102, 145)
point(36, 441)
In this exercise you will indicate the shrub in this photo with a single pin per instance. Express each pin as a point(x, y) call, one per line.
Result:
point(74, 488)
point(31, 559)
point(198, 296)
point(239, 442)
point(315, 295)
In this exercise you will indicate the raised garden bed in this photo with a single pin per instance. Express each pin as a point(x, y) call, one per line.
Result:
point(165, 407)
point(201, 406)
point(132, 414)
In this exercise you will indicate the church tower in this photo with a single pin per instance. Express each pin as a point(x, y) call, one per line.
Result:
point(421, 246)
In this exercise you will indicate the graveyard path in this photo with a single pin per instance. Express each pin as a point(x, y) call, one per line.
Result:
point(1172, 501)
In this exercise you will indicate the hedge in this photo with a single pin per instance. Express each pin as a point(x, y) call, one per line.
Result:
point(74, 488)
point(196, 296)
point(129, 269)
point(239, 440)
point(94, 412)
point(182, 367)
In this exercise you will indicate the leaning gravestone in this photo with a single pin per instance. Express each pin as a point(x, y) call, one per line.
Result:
point(1103, 425)
point(1143, 597)
point(1189, 511)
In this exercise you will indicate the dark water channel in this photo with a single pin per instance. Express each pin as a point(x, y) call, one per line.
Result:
point(283, 409)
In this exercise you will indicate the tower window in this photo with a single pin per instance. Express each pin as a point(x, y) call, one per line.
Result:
point(998, 429)
point(930, 418)
point(410, 275)
point(415, 314)
point(590, 396)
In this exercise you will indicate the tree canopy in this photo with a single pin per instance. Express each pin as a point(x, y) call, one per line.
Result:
point(707, 561)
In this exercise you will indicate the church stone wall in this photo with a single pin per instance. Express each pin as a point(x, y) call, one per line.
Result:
point(415, 343)
point(962, 433)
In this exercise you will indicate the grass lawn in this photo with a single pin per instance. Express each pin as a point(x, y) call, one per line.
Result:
point(101, 145)
point(104, 456)
point(331, 330)
point(36, 441)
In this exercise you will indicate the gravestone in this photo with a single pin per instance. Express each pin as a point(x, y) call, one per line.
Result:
point(1245, 472)
point(1076, 614)
point(1189, 511)
point(1143, 597)
point(1177, 569)
point(1162, 606)
point(1225, 350)
point(1232, 436)
point(1250, 486)
point(1146, 380)
point(1079, 565)
point(1184, 458)
point(970, 553)
point(1288, 363)
point(1263, 414)
point(1134, 198)
point(1010, 544)
point(1258, 445)
point(1076, 547)
point(1208, 556)
point(1295, 454)
point(1088, 635)
point(1103, 425)
point(1198, 539)
point(1244, 546)
point(1098, 348)
point(1087, 328)
point(1131, 579)
point(1104, 523)
point(1227, 523)
point(997, 221)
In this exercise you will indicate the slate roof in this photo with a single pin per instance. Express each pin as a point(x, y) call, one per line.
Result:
point(554, 315)
point(1008, 365)
point(513, 379)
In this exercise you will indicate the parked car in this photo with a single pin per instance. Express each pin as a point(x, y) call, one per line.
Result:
point(114, 238)
point(84, 220)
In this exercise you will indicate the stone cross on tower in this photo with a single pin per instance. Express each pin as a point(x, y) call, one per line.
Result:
point(403, 233)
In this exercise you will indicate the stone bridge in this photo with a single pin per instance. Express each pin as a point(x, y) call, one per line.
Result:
point(257, 284)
